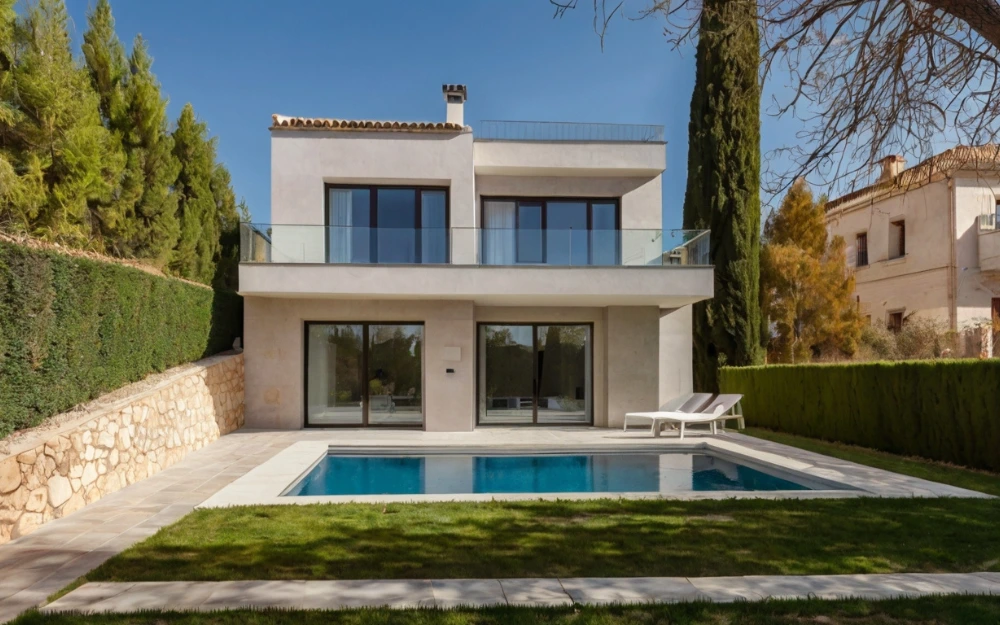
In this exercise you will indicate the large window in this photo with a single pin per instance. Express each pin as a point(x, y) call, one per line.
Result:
point(535, 374)
point(360, 374)
point(382, 224)
point(552, 231)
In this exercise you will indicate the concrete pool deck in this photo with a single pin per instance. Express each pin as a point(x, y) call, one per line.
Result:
point(37, 565)
point(828, 477)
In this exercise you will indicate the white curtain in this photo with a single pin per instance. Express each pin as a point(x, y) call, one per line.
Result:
point(498, 233)
point(340, 225)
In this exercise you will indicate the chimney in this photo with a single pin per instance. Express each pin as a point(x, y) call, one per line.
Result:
point(455, 96)
point(892, 166)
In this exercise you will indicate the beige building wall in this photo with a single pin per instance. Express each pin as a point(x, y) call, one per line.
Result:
point(634, 362)
point(975, 287)
point(940, 277)
point(303, 161)
point(274, 339)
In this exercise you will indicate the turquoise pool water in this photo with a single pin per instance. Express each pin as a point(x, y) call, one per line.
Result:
point(578, 473)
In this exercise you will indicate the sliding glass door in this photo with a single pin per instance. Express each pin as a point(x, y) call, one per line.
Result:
point(361, 374)
point(535, 374)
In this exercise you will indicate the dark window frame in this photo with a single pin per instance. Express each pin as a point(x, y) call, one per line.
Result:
point(861, 250)
point(544, 202)
point(900, 225)
point(373, 218)
point(892, 327)
point(534, 325)
point(362, 373)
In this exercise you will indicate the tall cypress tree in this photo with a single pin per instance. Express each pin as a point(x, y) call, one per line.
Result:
point(152, 167)
point(198, 244)
point(66, 157)
point(723, 185)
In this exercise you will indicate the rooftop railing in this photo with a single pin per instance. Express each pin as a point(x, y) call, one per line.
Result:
point(350, 245)
point(500, 130)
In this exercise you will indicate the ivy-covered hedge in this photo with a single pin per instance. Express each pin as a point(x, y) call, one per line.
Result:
point(938, 409)
point(72, 328)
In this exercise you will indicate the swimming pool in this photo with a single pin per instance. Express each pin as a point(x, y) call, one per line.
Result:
point(450, 473)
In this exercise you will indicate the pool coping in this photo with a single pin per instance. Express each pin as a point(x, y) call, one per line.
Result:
point(267, 483)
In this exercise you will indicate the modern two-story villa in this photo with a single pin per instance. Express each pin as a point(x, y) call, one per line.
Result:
point(444, 277)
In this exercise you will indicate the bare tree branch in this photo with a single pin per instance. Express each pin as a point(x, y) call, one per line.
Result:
point(865, 78)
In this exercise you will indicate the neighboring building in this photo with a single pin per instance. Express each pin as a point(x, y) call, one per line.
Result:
point(429, 275)
point(924, 241)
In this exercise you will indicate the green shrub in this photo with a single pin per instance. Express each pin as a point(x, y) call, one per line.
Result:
point(73, 328)
point(945, 410)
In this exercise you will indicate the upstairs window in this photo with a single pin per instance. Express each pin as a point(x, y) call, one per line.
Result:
point(897, 239)
point(386, 224)
point(862, 250)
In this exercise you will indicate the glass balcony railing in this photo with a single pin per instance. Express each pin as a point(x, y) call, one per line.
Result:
point(272, 243)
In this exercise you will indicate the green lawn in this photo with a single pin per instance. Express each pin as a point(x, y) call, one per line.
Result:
point(960, 610)
point(926, 469)
point(613, 538)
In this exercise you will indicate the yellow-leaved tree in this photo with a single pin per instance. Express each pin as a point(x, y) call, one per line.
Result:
point(805, 284)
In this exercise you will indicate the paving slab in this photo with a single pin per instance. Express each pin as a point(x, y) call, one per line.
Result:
point(725, 589)
point(86, 597)
point(382, 593)
point(453, 593)
point(535, 592)
point(602, 591)
point(993, 577)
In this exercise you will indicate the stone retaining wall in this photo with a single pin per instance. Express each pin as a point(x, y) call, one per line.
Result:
point(53, 472)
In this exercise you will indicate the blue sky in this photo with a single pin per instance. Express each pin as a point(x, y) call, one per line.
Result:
point(239, 62)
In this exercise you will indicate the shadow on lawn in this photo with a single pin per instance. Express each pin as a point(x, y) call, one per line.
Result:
point(561, 539)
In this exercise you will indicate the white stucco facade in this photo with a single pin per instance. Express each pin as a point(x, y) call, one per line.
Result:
point(950, 271)
point(636, 312)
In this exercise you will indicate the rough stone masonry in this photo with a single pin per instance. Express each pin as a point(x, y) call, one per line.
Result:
point(53, 472)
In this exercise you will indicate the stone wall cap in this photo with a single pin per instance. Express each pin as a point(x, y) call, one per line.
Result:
point(31, 438)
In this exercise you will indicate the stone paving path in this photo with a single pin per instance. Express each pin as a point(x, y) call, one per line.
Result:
point(449, 593)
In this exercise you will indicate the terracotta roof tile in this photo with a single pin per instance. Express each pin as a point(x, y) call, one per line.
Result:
point(962, 157)
point(284, 122)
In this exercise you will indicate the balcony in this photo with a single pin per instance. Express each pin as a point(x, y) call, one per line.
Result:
point(668, 268)
point(525, 148)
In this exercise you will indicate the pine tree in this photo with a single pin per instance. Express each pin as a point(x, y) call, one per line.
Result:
point(723, 186)
point(152, 167)
point(66, 158)
point(105, 58)
point(10, 182)
point(198, 244)
point(806, 287)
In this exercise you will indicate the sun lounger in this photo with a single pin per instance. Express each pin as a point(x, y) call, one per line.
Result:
point(688, 402)
point(715, 412)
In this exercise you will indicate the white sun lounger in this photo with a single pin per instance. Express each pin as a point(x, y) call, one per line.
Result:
point(689, 403)
point(712, 414)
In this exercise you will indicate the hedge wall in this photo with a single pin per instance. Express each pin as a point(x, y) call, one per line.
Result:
point(939, 409)
point(72, 328)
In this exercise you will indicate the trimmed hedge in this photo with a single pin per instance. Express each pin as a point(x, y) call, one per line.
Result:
point(945, 410)
point(72, 328)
